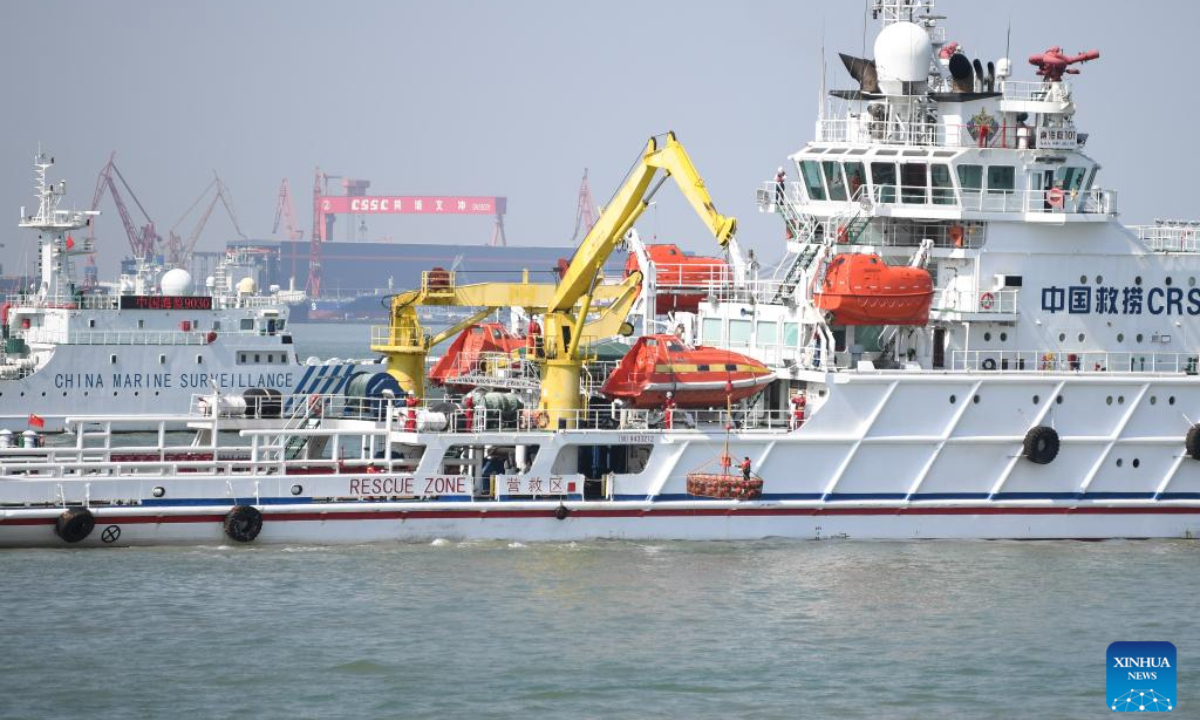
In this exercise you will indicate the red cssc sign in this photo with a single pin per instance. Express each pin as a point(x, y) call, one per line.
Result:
point(413, 204)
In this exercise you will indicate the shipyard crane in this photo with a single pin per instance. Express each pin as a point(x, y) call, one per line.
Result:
point(285, 212)
point(585, 212)
point(143, 241)
point(179, 250)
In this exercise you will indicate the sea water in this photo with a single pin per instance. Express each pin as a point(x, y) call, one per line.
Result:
point(771, 629)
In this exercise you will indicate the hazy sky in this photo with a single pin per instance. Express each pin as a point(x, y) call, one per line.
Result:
point(515, 99)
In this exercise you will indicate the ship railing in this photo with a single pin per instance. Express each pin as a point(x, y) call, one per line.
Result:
point(1058, 361)
point(119, 337)
point(494, 369)
point(1096, 201)
point(971, 301)
point(1183, 237)
point(867, 131)
point(1035, 90)
point(691, 278)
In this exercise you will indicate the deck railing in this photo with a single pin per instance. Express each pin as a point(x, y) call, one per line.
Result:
point(1170, 238)
point(1074, 361)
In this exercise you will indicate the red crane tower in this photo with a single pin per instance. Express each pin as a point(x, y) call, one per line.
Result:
point(285, 211)
point(585, 213)
point(179, 251)
point(144, 241)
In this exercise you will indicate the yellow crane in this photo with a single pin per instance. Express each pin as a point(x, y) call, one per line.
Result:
point(565, 326)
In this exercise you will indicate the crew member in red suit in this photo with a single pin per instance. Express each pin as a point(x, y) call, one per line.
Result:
point(410, 424)
point(798, 404)
point(669, 411)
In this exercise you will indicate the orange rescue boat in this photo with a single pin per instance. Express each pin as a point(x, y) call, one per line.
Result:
point(462, 358)
point(860, 289)
point(682, 280)
point(699, 377)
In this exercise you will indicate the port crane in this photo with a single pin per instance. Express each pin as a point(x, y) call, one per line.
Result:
point(179, 249)
point(144, 241)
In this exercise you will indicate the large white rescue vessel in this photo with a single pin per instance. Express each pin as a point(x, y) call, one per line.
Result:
point(961, 341)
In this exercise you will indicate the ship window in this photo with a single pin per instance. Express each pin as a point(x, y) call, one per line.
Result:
point(270, 357)
point(257, 357)
point(1099, 279)
point(711, 330)
point(1140, 337)
point(112, 359)
point(241, 357)
point(914, 183)
point(1003, 337)
point(247, 323)
point(1136, 462)
point(834, 180)
point(886, 152)
point(596, 461)
point(970, 177)
point(1070, 178)
point(1001, 178)
point(768, 332)
point(674, 347)
point(1062, 337)
point(812, 180)
point(141, 324)
point(1192, 281)
point(216, 325)
point(1120, 337)
point(856, 177)
point(651, 342)
point(701, 368)
point(1168, 280)
point(739, 331)
point(1091, 179)
point(791, 334)
point(943, 186)
point(987, 337)
point(883, 176)
point(199, 359)
point(731, 367)
point(162, 359)
point(1137, 280)
point(91, 323)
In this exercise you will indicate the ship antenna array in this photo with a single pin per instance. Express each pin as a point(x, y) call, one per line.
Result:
point(894, 11)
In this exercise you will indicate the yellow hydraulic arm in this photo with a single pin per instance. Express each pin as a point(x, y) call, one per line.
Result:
point(561, 397)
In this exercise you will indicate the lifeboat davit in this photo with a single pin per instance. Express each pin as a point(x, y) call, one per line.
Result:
point(682, 280)
point(462, 358)
point(699, 377)
point(860, 289)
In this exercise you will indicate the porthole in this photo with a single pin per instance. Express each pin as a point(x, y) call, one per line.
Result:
point(158, 491)
point(987, 337)
point(1081, 337)
point(112, 359)
point(1120, 399)
point(1036, 399)
point(64, 393)
point(1062, 337)
point(1082, 279)
point(1153, 400)
point(1168, 280)
point(1099, 279)
point(297, 489)
point(975, 399)
point(1137, 280)
point(1120, 337)
point(953, 399)
point(1171, 400)
point(1136, 462)
point(86, 393)
point(155, 393)
point(22, 393)
point(1108, 400)
point(43, 393)
point(1192, 281)
point(1058, 400)
point(1140, 337)
point(114, 393)
point(136, 393)
point(1120, 462)
point(1003, 337)
point(162, 359)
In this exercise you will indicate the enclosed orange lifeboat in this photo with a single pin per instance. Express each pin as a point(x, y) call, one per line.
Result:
point(682, 280)
point(863, 290)
point(699, 377)
point(463, 356)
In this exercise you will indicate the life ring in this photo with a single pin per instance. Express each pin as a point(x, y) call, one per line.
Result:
point(987, 301)
point(243, 523)
point(314, 404)
point(541, 419)
point(843, 235)
point(1056, 197)
point(74, 524)
point(1192, 442)
point(1041, 445)
point(956, 235)
point(988, 364)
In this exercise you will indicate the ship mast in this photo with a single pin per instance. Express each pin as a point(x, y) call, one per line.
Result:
point(56, 245)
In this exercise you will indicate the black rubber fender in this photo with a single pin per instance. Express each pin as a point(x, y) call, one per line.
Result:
point(1041, 445)
point(1192, 442)
point(74, 524)
point(561, 512)
point(243, 523)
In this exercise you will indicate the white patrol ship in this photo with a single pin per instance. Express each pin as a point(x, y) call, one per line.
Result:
point(961, 341)
point(144, 346)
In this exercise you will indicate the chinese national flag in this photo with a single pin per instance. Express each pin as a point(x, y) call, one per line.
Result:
point(36, 421)
point(70, 242)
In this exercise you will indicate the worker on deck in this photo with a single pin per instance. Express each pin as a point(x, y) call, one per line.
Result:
point(533, 334)
point(799, 402)
point(780, 184)
point(469, 412)
point(669, 411)
point(410, 422)
point(746, 468)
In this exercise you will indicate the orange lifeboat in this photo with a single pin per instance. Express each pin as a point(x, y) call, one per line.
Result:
point(860, 289)
point(699, 377)
point(464, 353)
point(682, 280)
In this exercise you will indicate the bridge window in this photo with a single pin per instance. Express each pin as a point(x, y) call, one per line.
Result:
point(914, 183)
point(834, 180)
point(1070, 178)
point(791, 334)
point(970, 177)
point(739, 331)
point(943, 186)
point(711, 330)
point(812, 180)
point(856, 177)
point(1001, 179)
point(768, 332)
point(883, 175)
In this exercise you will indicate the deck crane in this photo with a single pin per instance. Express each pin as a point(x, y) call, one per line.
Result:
point(561, 397)
point(143, 241)
point(179, 250)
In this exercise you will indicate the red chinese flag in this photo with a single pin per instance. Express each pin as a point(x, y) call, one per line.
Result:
point(70, 242)
point(36, 421)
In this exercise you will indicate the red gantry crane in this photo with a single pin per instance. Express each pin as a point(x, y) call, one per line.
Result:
point(144, 241)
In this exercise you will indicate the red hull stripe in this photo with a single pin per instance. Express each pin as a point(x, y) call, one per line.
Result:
point(620, 513)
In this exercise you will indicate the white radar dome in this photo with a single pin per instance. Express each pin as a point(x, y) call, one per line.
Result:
point(176, 282)
point(246, 286)
point(902, 56)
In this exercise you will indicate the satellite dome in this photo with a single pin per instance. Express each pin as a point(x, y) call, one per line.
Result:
point(902, 57)
point(246, 286)
point(176, 282)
